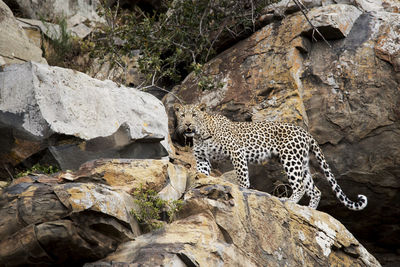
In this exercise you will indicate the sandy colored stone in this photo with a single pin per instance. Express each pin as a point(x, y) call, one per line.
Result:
point(223, 225)
point(46, 223)
point(123, 174)
point(15, 46)
point(176, 186)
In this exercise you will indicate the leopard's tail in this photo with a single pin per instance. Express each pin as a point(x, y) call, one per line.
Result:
point(362, 200)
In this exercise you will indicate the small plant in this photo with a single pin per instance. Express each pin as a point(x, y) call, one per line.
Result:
point(62, 45)
point(39, 169)
point(150, 208)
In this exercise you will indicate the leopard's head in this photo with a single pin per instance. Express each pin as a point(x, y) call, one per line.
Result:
point(190, 119)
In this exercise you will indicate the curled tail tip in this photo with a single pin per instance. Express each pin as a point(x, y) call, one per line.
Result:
point(362, 202)
point(363, 199)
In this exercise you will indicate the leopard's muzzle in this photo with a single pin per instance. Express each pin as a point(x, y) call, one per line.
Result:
point(189, 132)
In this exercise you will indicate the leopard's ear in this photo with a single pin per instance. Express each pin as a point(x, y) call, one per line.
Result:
point(202, 107)
point(177, 107)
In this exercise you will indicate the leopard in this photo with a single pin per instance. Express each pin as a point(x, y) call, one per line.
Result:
point(215, 138)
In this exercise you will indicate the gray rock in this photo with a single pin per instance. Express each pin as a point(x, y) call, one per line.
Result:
point(333, 21)
point(51, 10)
point(50, 30)
point(73, 118)
point(15, 46)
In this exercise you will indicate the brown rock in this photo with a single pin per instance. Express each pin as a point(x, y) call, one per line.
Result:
point(223, 225)
point(388, 45)
point(346, 96)
point(123, 174)
point(72, 223)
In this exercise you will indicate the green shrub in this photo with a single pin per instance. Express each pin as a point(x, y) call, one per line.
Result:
point(173, 42)
point(150, 207)
point(39, 169)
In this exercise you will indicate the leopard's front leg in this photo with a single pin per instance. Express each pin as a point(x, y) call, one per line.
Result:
point(202, 161)
point(239, 163)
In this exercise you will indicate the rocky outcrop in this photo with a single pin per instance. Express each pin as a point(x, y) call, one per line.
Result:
point(128, 175)
point(69, 118)
point(223, 225)
point(44, 222)
point(15, 46)
point(78, 217)
point(72, 218)
point(346, 95)
point(75, 11)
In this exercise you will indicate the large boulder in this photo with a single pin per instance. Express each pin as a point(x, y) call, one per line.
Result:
point(129, 174)
point(67, 118)
point(46, 223)
point(223, 225)
point(346, 95)
point(71, 218)
point(15, 46)
point(75, 11)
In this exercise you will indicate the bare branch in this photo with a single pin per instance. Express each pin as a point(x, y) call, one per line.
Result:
point(161, 89)
point(302, 8)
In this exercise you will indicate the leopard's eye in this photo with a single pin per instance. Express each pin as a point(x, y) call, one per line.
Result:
point(182, 114)
point(194, 115)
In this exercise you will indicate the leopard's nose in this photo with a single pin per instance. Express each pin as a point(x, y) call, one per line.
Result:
point(188, 124)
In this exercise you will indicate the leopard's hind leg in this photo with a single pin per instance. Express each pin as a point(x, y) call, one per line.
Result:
point(294, 171)
point(311, 190)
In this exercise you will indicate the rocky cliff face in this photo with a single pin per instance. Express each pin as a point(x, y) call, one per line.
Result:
point(80, 217)
point(346, 94)
point(222, 224)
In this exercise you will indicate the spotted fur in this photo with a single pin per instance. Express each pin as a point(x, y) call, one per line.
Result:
point(215, 137)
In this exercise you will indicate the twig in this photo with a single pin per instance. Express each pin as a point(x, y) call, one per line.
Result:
point(8, 171)
point(153, 85)
point(161, 89)
point(212, 43)
point(13, 57)
point(280, 187)
point(300, 6)
point(253, 21)
point(202, 18)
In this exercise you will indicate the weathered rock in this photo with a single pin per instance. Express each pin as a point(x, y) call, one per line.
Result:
point(391, 6)
point(130, 174)
point(39, 27)
point(52, 10)
point(44, 223)
point(78, 217)
point(286, 7)
point(346, 96)
point(223, 225)
point(102, 69)
point(35, 29)
point(15, 46)
point(388, 46)
point(177, 183)
point(333, 22)
point(68, 116)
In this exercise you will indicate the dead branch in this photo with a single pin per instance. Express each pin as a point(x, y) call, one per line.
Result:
point(303, 10)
